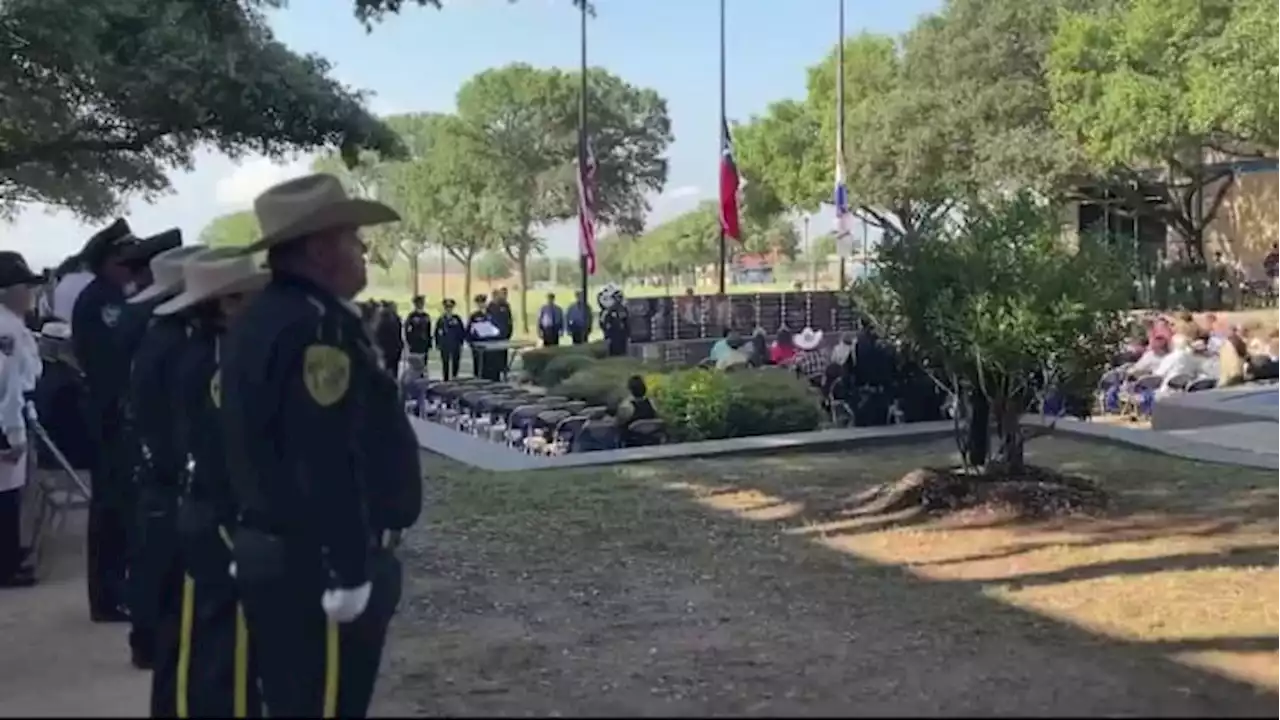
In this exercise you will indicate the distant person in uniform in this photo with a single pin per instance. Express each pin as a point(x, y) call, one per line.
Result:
point(578, 321)
point(417, 330)
point(153, 582)
point(500, 314)
point(550, 322)
point(213, 678)
point(20, 369)
point(389, 333)
point(482, 329)
point(323, 463)
point(100, 354)
point(613, 320)
point(451, 335)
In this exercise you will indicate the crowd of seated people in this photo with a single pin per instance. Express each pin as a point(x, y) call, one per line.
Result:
point(1183, 353)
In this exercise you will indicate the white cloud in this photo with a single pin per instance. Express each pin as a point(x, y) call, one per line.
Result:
point(683, 191)
point(238, 188)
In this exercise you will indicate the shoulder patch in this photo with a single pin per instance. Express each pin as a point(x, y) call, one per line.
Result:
point(326, 371)
point(110, 315)
point(215, 388)
point(7, 344)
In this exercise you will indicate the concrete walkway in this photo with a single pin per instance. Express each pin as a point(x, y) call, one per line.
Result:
point(55, 663)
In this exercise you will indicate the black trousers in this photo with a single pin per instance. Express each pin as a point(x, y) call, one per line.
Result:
point(550, 339)
point(111, 515)
point(578, 335)
point(152, 555)
point(297, 649)
point(450, 359)
point(10, 532)
point(164, 676)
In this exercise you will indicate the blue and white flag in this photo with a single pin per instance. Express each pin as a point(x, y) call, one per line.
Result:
point(844, 218)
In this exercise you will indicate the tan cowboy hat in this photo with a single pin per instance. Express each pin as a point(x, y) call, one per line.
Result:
point(213, 274)
point(310, 204)
point(808, 339)
point(166, 273)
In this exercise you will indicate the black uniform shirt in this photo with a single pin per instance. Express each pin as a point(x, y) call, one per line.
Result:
point(417, 332)
point(97, 347)
point(450, 332)
point(200, 398)
point(153, 396)
point(318, 451)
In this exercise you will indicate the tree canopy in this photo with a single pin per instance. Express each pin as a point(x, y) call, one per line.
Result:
point(237, 229)
point(98, 100)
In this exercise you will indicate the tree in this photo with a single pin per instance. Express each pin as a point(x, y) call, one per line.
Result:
point(526, 119)
point(237, 229)
point(1000, 308)
point(371, 10)
point(98, 100)
point(493, 265)
point(1140, 87)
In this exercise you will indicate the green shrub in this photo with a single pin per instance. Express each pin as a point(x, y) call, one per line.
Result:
point(603, 382)
point(771, 401)
point(562, 366)
point(693, 403)
point(536, 360)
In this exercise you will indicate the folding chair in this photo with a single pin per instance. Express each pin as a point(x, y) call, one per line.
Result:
point(59, 490)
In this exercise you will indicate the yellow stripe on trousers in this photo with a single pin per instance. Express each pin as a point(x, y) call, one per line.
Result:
point(184, 643)
point(331, 668)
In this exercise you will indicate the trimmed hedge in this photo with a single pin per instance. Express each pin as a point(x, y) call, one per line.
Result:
point(536, 360)
point(700, 404)
point(564, 365)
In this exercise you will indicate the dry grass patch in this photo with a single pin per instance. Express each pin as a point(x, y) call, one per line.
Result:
point(1185, 561)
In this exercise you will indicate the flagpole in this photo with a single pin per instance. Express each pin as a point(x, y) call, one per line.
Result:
point(582, 139)
point(724, 253)
point(840, 122)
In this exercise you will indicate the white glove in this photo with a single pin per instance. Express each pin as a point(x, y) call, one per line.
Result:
point(231, 570)
point(345, 604)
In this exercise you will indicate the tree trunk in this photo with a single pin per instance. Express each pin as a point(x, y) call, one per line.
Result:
point(1009, 425)
point(416, 282)
point(979, 420)
point(466, 282)
point(523, 268)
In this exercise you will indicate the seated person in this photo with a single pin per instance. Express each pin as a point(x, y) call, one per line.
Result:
point(783, 349)
point(1157, 349)
point(1185, 360)
point(413, 379)
point(759, 346)
point(1231, 361)
point(721, 346)
point(810, 361)
point(733, 355)
point(637, 406)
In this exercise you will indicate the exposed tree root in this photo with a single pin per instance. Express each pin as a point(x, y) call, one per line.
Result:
point(1030, 492)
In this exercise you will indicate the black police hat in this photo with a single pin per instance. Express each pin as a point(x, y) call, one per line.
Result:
point(448, 302)
point(141, 252)
point(419, 299)
point(481, 298)
point(105, 243)
point(14, 271)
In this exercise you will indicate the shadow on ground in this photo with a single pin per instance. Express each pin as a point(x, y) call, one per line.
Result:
point(617, 591)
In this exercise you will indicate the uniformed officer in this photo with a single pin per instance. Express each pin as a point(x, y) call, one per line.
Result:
point(20, 368)
point(94, 320)
point(322, 459)
point(501, 316)
point(613, 320)
point(417, 330)
point(450, 334)
point(479, 315)
point(153, 584)
point(212, 676)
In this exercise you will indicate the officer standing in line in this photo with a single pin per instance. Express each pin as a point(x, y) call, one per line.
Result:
point(450, 336)
point(323, 462)
point(500, 315)
point(212, 677)
point(94, 321)
point(480, 314)
point(417, 330)
point(158, 465)
point(614, 320)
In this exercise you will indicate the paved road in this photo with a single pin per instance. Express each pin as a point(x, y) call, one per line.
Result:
point(55, 663)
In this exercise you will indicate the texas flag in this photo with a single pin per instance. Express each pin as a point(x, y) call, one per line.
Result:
point(729, 183)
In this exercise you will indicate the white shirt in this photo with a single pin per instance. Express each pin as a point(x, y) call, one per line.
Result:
point(1179, 362)
point(20, 368)
point(1147, 364)
point(66, 292)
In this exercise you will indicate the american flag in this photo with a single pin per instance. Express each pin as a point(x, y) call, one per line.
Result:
point(587, 203)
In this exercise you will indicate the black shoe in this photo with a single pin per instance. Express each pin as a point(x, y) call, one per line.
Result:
point(142, 659)
point(110, 615)
point(23, 578)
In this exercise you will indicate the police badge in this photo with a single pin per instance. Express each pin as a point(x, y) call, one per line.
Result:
point(110, 315)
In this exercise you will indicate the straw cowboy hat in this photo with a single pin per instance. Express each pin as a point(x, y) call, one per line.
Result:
point(166, 273)
point(311, 204)
point(808, 339)
point(213, 274)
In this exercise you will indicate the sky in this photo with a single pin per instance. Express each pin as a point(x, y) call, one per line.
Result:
point(416, 61)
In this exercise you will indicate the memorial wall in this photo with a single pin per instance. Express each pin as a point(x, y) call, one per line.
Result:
point(692, 317)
